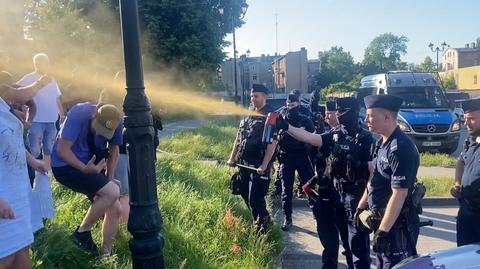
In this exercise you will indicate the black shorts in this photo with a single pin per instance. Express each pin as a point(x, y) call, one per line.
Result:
point(74, 179)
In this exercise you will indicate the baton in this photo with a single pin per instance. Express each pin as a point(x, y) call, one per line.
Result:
point(246, 166)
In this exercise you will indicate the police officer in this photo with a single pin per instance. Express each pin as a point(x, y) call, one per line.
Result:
point(349, 149)
point(249, 150)
point(467, 187)
point(293, 156)
point(388, 193)
point(328, 211)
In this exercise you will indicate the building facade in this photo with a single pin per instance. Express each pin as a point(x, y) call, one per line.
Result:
point(455, 58)
point(291, 72)
point(467, 78)
point(250, 70)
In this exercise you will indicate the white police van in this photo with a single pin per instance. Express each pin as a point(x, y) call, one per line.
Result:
point(425, 115)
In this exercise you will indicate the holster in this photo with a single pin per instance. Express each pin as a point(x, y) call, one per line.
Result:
point(235, 183)
point(371, 219)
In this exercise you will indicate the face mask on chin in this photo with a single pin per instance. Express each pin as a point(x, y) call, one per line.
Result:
point(348, 119)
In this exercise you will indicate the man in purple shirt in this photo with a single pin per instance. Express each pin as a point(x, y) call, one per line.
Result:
point(87, 144)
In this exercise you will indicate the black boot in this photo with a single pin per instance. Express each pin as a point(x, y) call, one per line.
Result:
point(287, 224)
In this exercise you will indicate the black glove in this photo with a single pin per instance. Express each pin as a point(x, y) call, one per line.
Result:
point(380, 242)
point(281, 123)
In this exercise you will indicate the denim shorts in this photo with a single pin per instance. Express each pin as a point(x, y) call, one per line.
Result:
point(41, 137)
point(121, 174)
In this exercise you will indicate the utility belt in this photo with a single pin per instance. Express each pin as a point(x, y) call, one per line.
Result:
point(349, 187)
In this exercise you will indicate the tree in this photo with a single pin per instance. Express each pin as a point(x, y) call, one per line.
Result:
point(449, 82)
point(384, 53)
point(336, 66)
point(428, 65)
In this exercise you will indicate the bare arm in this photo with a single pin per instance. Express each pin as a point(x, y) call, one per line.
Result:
point(459, 172)
point(114, 151)
point(32, 110)
point(60, 109)
point(305, 136)
point(24, 94)
point(394, 207)
point(233, 154)
point(267, 157)
point(363, 203)
point(64, 150)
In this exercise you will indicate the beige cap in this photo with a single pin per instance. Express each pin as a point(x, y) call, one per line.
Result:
point(106, 121)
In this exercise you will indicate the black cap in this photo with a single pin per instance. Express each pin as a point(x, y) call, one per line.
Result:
point(470, 105)
point(297, 92)
point(259, 88)
point(293, 97)
point(347, 103)
point(385, 101)
point(331, 105)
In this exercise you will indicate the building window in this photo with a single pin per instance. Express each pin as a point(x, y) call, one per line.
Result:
point(254, 77)
point(475, 79)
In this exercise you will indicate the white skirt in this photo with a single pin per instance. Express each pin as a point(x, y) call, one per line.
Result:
point(42, 201)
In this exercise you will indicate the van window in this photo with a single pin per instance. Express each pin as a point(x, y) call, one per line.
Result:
point(420, 97)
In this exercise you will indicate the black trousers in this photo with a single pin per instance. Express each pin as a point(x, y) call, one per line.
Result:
point(289, 163)
point(253, 190)
point(468, 225)
point(331, 221)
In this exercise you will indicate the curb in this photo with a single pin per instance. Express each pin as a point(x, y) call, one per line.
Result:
point(426, 202)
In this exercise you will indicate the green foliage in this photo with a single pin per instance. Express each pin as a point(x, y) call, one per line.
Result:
point(337, 66)
point(428, 65)
point(449, 82)
point(193, 199)
point(441, 160)
point(383, 54)
point(189, 33)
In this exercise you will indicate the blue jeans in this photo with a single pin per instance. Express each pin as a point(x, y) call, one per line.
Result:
point(41, 137)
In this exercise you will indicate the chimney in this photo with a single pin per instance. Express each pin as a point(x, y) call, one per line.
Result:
point(467, 45)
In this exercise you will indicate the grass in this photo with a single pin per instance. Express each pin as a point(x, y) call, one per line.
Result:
point(442, 160)
point(437, 186)
point(193, 199)
point(212, 140)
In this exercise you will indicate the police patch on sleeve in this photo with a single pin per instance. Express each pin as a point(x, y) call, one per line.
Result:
point(399, 178)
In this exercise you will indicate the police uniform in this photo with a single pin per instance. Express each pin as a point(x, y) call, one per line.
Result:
point(468, 219)
point(395, 166)
point(251, 151)
point(293, 156)
point(349, 149)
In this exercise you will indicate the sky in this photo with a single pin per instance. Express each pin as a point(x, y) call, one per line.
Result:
point(318, 25)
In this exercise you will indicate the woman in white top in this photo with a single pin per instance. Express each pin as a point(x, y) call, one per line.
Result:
point(15, 224)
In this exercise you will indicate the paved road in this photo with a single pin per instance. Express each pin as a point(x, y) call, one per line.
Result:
point(303, 249)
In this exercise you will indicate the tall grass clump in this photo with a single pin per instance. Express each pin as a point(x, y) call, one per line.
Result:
point(437, 159)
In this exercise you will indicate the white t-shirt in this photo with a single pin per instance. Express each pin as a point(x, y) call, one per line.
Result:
point(46, 98)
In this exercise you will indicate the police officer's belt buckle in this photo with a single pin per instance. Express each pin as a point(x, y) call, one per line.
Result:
point(370, 219)
point(235, 183)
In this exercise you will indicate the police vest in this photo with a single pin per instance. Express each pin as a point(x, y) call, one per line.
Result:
point(250, 131)
point(345, 160)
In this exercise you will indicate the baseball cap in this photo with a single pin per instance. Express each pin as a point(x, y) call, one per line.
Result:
point(106, 120)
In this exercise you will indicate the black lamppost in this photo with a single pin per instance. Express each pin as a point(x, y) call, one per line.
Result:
point(244, 11)
point(437, 49)
point(145, 220)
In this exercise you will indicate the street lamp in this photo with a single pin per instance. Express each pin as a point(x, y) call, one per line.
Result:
point(244, 11)
point(145, 221)
point(437, 49)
